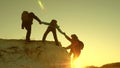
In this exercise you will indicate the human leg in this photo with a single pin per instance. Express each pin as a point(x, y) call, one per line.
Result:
point(45, 35)
point(28, 28)
point(55, 37)
point(76, 54)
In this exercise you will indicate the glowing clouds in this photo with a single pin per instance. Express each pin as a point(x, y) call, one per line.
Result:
point(41, 5)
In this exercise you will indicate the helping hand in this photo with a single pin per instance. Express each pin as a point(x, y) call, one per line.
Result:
point(64, 33)
point(40, 22)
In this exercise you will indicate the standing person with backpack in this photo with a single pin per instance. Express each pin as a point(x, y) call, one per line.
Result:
point(75, 47)
point(27, 21)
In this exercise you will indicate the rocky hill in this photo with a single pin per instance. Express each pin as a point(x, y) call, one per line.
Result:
point(35, 54)
point(109, 65)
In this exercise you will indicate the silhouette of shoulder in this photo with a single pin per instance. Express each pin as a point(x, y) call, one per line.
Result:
point(31, 14)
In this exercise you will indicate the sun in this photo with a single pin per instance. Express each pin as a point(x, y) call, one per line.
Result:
point(76, 63)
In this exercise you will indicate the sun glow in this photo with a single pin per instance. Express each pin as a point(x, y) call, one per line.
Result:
point(76, 63)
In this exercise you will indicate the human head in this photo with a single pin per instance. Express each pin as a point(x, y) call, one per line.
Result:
point(25, 12)
point(53, 20)
point(74, 36)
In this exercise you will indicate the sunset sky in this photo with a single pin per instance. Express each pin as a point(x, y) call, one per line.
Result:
point(95, 22)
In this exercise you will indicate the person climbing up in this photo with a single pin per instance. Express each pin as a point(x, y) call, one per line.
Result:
point(75, 47)
point(51, 28)
point(27, 21)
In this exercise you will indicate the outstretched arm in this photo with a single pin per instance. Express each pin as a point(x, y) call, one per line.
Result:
point(68, 47)
point(45, 23)
point(35, 17)
point(58, 28)
point(68, 38)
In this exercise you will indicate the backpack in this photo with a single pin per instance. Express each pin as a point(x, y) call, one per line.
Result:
point(25, 16)
point(81, 45)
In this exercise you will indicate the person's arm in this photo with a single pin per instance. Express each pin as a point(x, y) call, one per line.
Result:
point(58, 28)
point(68, 47)
point(45, 23)
point(68, 38)
point(35, 17)
point(22, 26)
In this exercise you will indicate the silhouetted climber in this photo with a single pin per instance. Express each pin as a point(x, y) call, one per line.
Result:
point(57, 27)
point(52, 27)
point(75, 47)
point(27, 21)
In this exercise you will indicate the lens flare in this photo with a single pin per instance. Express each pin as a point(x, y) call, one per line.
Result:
point(76, 64)
point(41, 5)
